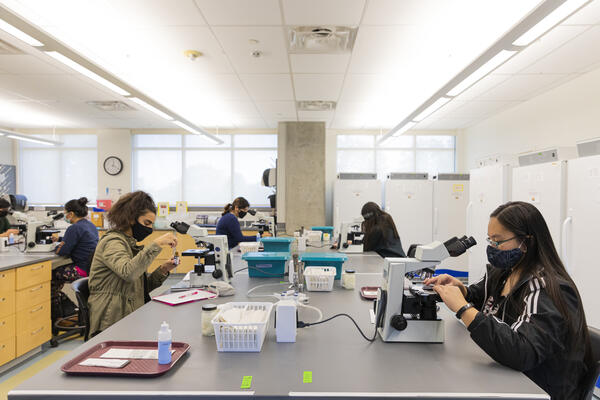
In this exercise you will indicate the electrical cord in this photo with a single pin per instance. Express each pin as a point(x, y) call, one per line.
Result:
point(259, 270)
point(318, 247)
point(305, 324)
point(264, 285)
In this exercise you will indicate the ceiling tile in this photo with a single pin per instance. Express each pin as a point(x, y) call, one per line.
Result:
point(241, 109)
point(540, 48)
point(318, 87)
point(315, 116)
point(235, 41)
point(323, 12)
point(269, 87)
point(157, 12)
point(319, 63)
point(480, 109)
point(575, 56)
point(483, 86)
point(444, 124)
point(277, 110)
point(249, 123)
point(521, 87)
point(241, 12)
point(588, 15)
point(26, 64)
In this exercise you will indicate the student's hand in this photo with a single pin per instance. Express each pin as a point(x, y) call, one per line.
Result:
point(443, 279)
point(57, 249)
point(54, 238)
point(168, 266)
point(452, 296)
point(168, 239)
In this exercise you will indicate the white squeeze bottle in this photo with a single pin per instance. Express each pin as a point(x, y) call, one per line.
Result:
point(164, 344)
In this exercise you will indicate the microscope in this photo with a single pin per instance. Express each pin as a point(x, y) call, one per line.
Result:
point(38, 234)
point(264, 223)
point(351, 237)
point(407, 311)
point(213, 249)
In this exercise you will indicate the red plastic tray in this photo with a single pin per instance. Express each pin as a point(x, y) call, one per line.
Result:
point(136, 367)
point(366, 291)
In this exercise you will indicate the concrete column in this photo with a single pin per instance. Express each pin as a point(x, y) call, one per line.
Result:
point(301, 174)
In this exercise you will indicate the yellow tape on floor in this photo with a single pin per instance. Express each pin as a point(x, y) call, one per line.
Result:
point(42, 363)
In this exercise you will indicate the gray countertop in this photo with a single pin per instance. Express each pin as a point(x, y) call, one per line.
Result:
point(13, 258)
point(343, 364)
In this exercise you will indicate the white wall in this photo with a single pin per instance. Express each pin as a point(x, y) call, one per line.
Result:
point(559, 117)
point(114, 142)
point(6, 151)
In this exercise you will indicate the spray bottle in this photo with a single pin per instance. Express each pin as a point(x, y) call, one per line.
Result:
point(164, 344)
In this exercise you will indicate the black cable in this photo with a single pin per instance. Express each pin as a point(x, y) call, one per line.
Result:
point(305, 324)
point(318, 247)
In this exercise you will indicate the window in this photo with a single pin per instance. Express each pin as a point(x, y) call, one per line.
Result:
point(54, 175)
point(405, 153)
point(192, 168)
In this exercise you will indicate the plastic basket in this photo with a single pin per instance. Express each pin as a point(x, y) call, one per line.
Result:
point(319, 279)
point(232, 337)
point(249, 247)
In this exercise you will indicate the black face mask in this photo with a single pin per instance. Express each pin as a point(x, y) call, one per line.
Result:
point(3, 214)
point(140, 232)
point(242, 214)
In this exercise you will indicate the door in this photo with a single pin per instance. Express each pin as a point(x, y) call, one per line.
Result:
point(450, 200)
point(489, 188)
point(544, 186)
point(580, 233)
point(410, 203)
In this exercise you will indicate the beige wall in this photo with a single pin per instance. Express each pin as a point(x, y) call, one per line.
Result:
point(6, 151)
point(559, 117)
point(114, 142)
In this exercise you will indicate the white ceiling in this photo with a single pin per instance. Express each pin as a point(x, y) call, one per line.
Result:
point(404, 52)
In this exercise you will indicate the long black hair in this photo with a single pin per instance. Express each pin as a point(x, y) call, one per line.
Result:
point(541, 260)
point(376, 218)
point(239, 202)
point(78, 207)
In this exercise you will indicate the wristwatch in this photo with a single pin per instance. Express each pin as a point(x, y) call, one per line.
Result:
point(464, 308)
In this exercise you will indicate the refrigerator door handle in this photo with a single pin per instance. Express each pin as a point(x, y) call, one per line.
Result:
point(436, 216)
point(564, 248)
point(469, 230)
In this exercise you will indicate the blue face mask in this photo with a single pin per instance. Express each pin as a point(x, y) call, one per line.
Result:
point(504, 259)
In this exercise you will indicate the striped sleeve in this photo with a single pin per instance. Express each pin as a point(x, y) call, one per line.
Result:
point(538, 331)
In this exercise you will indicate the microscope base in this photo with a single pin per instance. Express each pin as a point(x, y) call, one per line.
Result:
point(417, 331)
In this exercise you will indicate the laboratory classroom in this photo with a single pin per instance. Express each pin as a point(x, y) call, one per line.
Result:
point(299, 199)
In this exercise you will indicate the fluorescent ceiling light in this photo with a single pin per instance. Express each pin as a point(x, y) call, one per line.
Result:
point(485, 69)
point(151, 108)
point(197, 131)
point(8, 28)
point(439, 103)
point(405, 128)
point(29, 139)
point(560, 13)
point(84, 71)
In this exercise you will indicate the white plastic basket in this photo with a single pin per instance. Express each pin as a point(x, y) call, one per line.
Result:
point(319, 279)
point(232, 337)
point(249, 247)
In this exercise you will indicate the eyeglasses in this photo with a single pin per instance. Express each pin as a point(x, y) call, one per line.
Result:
point(495, 243)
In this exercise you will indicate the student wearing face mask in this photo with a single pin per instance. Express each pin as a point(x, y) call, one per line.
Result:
point(5, 229)
point(78, 243)
point(229, 225)
point(118, 281)
point(526, 312)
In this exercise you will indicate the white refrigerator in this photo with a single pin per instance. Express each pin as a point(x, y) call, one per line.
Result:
point(489, 188)
point(450, 200)
point(580, 232)
point(409, 200)
point(351, 191)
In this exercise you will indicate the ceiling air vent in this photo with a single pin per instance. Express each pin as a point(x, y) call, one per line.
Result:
point(321, 39)
point(316, 105)
point(110, 106)
point(6, 48)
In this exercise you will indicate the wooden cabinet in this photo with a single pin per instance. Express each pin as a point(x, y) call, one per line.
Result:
point(33, 274)
point(7, 327)
point(33, 337)
point(7, 350)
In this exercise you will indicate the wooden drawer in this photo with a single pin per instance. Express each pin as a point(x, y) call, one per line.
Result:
point(7, 350)
point(33, 295)
point(7, 281)
point(7, 327)
point(34, 316)
point(33, 274)
point(7, 303)
point(33, 338)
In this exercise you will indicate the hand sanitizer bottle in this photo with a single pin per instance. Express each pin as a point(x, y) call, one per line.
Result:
point(164, 344)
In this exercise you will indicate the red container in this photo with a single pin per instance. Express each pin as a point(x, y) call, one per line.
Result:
point(104, 204)
point(136, 367)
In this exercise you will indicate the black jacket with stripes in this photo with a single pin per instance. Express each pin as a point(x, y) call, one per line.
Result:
point(529, 335)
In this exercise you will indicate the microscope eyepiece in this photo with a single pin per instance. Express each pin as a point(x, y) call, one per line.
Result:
point(180, 227)
point(456, 246)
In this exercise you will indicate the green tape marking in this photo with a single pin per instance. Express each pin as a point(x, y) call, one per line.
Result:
point(307, 377)
point(246, 382)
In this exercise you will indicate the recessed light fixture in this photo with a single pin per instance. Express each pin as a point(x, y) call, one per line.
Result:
point(27, 138)
point(84, 71)
point(436, 105)
point(482, 71)
point(405, 128)
point(198, 132)
point(19, 34)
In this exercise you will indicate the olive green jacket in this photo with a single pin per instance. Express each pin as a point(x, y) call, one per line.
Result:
point(117, 277)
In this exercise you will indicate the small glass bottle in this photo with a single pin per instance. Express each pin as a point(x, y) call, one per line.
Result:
point(208, 313)
point(349, 279)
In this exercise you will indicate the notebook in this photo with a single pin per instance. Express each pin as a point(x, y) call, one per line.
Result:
point(174, 299)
